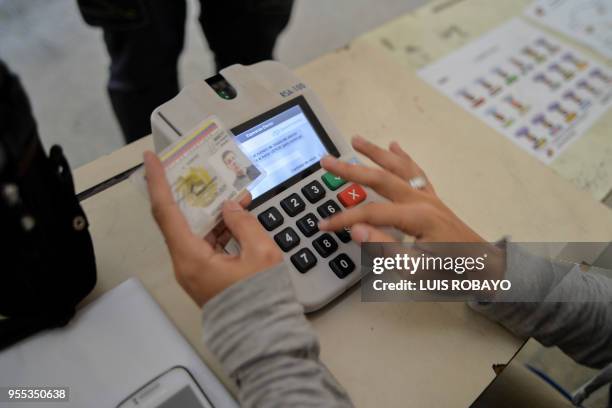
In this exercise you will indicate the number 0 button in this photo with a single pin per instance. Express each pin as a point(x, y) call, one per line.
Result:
point(293, 205)
point(287, 239)
point(304, 260)
point(342, 265)
point(271, 218)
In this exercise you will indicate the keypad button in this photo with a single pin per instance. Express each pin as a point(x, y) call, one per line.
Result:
point(325, 245)
point(271, 218)
point(293, 205)
point(308, 224)
point(342, 266)
point(287, 239)
point(304, 260)
point(332, 181)
point(313, 191)
point(344, 235)
point(328, 209)
point(352, 195)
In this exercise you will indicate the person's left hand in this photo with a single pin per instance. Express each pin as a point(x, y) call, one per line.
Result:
point(201, 266)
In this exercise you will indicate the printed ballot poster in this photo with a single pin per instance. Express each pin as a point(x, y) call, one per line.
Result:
point(536, 91)
point(587, 21)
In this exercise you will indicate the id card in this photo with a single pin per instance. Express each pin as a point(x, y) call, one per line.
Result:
point(204, 169)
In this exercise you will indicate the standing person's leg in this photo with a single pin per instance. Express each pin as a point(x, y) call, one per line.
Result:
point(243, 31)
point(144, 56)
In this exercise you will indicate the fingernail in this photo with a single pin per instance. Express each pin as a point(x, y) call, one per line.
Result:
point(323, 224)
point(358, 139)
point(327, 160)
point(232, 206)
point(359, 233)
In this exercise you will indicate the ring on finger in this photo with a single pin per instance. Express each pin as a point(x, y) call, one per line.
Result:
point(418, 182)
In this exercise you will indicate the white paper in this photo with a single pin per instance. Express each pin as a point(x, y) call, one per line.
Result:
point(110, 349)
point(587, 21)
point(537, 92)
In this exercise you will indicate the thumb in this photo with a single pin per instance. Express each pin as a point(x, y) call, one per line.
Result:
point(361, 233)
point(243, 226)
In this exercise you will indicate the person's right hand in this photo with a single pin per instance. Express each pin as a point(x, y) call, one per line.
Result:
point(200, 265)
point(418, 213)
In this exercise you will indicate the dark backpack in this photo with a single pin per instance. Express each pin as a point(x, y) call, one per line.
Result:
point(47, 263)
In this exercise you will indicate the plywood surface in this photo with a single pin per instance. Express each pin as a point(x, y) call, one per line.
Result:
point(413, 354)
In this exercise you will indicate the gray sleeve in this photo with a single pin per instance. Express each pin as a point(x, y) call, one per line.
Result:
point(258, 331)
point(573, 311)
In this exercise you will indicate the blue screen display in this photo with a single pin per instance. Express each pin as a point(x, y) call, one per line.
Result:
point(282, 146)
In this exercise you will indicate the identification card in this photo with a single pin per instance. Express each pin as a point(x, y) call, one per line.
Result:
point(204, 169)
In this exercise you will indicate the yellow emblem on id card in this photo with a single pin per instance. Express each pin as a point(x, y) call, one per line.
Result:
point(197, 187)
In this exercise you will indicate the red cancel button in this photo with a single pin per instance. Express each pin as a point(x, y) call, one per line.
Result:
point(352, 195)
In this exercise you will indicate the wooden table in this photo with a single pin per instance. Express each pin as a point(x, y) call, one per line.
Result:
point(399, 354)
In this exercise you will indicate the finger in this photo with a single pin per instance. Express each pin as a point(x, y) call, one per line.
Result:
point(224, 238)
point(384, 158)
point(384, 183)
point(361, 233)
point(211, 239)
point(243, 226)
point(397, 150)
point(219, 229)
point(245, 200)
point(409, 163)
point(411, 219)
point(168, 216)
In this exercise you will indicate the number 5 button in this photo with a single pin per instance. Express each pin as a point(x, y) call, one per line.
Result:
point(303, 260)
point(352, 195)
point(308, 225)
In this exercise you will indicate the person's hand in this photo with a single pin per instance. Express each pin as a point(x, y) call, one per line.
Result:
point(416, 212)
point(200, 265)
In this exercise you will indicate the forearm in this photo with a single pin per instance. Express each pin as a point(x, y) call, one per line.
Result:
point(259, 333)
point(570, 309)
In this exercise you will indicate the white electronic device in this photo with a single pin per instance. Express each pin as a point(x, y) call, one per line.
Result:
point(280, 124)
point(174, 388)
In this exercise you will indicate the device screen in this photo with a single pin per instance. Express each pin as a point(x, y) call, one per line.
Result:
point(287, 142)
point(184, 398)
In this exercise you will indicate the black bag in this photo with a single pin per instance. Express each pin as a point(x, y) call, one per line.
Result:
point(47, 263)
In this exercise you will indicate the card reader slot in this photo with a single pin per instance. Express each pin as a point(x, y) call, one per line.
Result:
point(170, 125)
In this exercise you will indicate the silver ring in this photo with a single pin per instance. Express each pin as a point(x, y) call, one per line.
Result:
point(418, 182)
